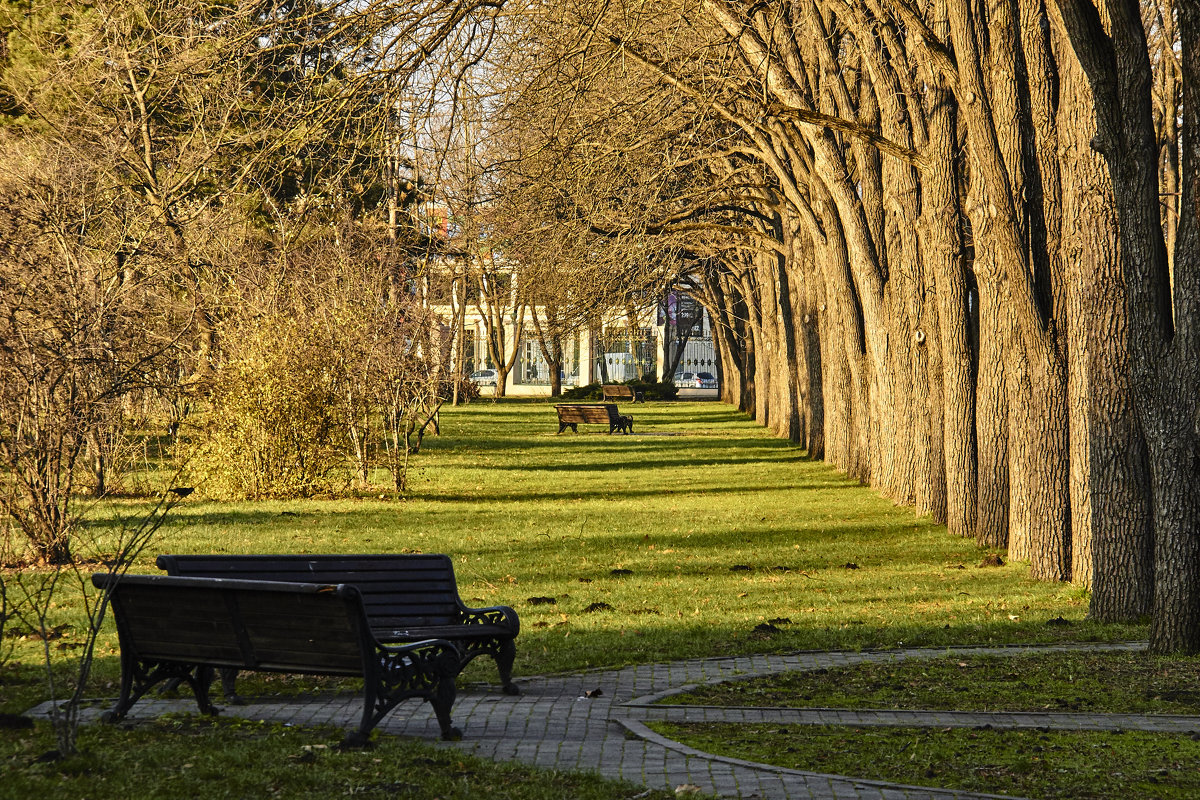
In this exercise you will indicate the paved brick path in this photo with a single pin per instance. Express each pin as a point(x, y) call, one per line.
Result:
point(556, 724)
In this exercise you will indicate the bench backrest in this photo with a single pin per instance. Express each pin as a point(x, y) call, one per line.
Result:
point(594, 413)
point(616, 390)
point(260, 625)
point(399, 590)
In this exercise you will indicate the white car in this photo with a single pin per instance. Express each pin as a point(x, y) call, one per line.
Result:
point(484, 377)
point(695, 380)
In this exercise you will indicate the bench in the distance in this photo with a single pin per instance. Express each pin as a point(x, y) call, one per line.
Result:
point(619, 391)
point(407, 596)
point(183, 629)
point(572, 415)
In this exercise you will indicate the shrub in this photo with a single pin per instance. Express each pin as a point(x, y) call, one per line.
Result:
point(656, 391)
point(272, 428)
point(648, 390)
point(589, 392)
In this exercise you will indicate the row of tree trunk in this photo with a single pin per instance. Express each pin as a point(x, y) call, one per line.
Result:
point(958, 286)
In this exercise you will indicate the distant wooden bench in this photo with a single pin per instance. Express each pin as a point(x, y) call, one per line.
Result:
point(619, 391)
point(573, 414)
point(184, 628)
point(408, 597)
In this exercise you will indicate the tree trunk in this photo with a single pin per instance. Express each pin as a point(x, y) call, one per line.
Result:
point(992, 419)
point(943, 251)
point(787, 367)
point(814, 369)
point(931, 485)
point(1114, 556)
point(1122, 540)
point(1163, 307)
point(1050, 520)
point(1022, 451)
point(759, 345)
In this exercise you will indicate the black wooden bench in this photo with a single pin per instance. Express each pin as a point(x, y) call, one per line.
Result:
point(182, 629)
point(407, 596)
point(571, 415)
point(619, 391)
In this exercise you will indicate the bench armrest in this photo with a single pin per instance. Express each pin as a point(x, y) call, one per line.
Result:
point(493, 615)
point(438, 655)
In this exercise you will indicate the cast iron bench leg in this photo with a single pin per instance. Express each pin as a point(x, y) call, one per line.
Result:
point(139, 677)
point(395, 677)
point(442, 704)
point(505, 657)
point(229, 686)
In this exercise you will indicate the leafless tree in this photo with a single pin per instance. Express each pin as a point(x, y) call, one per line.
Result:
point(79, 330)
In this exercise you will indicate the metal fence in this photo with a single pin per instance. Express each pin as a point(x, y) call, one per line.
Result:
point(621, 354)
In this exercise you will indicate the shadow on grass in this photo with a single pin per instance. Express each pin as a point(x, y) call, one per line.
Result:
point(627, 456)
point(487, 502)
point(215, 518)
point(680, 440)
point(638, 464)
point(625, 493)
point(817, 574)
point(651, 639)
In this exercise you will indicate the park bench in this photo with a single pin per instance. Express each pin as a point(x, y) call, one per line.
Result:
point(182, 629)
point(619, 391)
point(571, 415)
point(408, 597)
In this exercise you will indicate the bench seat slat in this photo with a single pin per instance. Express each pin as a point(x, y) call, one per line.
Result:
point(381, 604)
point(307, 661)
point(391, 633)
point(433, 562)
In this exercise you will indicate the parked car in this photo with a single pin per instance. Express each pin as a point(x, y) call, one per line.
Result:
point(695, 380)
point(484, 377)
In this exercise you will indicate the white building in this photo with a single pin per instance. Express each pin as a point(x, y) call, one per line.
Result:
point(610, 352)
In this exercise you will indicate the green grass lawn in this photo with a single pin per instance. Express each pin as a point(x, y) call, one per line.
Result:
point(187, 757)
point(1026, 763)
point(1120, 682)
point(713, 527)
point(699, 535)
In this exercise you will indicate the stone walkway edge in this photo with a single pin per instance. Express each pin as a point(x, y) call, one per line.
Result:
point(594, 721)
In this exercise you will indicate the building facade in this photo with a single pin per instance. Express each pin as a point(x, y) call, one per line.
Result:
point(613, 352)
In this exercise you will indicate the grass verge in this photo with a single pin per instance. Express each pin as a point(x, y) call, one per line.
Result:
point(1022, 763)
point(1116, 682)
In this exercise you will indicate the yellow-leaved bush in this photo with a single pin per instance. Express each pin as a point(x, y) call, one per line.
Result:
point(271, 428)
